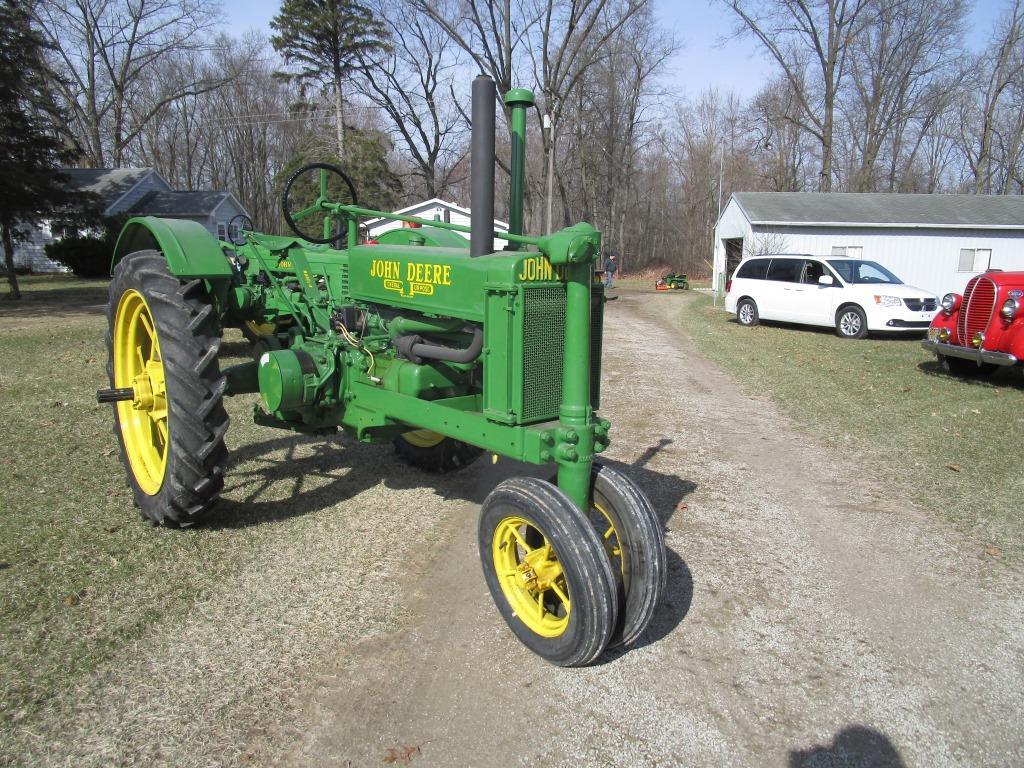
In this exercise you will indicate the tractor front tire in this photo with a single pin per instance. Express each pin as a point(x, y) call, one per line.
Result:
point(547, 571)
point(163, 338)
point(433, 452)
point(633, 539)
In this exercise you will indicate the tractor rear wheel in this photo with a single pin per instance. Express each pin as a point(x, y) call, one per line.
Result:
point(635, 544)
point(162, 341)
point(433, 452)
point(548, 572)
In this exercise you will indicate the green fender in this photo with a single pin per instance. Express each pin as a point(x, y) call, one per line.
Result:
point(191, 251)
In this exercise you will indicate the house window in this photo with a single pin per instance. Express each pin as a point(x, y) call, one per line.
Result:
point(975, 259)
point(222, 230)
point(848, 251)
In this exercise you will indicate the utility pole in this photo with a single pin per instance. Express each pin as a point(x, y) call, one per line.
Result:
point(549, 123)
point(714, 241)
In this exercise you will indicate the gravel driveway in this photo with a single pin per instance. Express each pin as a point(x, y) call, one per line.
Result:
point(812, 619)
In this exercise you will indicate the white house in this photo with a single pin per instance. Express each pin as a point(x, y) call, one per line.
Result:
point(435, 208)
point(131, 192)
point(935, 242)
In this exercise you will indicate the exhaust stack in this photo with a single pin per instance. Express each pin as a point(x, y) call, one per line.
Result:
point(481, 238)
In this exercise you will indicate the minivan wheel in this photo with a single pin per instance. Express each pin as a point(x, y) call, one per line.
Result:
point(746, 312)
point(851, 323)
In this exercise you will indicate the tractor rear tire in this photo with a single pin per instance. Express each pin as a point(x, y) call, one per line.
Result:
point(433, 452)
point(163, 338)
point(635, 544)
point(558, 594)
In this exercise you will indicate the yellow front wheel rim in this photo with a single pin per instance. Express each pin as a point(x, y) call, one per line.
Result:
point(531, 577)
point(138, 364)
point(609, 537)
point(423, 438)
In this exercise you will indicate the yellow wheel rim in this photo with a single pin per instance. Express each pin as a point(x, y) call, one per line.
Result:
point(602, 521)
point(423, 438)
point(260, 329)
point(531, 577)
point(139, 365)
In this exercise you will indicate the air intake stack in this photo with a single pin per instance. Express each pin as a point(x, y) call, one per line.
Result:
point(481, 239)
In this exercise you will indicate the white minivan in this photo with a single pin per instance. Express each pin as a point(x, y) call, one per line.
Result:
point(852, 295)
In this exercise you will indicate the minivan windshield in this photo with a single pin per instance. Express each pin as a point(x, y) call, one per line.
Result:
point(864, 272)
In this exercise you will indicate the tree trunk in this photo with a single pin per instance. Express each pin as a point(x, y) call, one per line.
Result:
point(339, 116)
point(8, 243)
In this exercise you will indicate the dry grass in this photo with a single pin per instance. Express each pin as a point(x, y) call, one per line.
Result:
point(124, 643)
point(953, 445)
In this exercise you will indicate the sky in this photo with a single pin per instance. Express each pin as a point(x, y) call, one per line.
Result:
point(708, 57)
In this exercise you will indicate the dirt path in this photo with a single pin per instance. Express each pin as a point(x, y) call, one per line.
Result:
point(812, 619)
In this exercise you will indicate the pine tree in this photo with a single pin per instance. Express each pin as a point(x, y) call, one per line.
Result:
point(31, 145)
point(324, 39)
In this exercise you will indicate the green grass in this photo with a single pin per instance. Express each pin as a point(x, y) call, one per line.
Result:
point(886, 403)
point(80, 576)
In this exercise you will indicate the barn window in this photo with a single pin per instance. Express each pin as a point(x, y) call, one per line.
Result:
point(848, 251)
point(222, 230)
point(975, 259)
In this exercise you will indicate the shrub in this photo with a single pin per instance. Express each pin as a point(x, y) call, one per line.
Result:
point(87, 255)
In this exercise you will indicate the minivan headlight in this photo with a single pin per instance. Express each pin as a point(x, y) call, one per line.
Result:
point(950, 302)
point(888, 301)
point(1010, 309)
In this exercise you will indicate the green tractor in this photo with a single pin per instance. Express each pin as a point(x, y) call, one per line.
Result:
point(446, 348)
point(673, 282)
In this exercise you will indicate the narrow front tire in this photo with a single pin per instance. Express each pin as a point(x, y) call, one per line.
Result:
point(548, 572)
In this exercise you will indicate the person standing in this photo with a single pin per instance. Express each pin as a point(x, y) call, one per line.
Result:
point(610, 267)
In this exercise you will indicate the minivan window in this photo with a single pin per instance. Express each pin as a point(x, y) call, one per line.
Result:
point(755, 269)
point(815, 269)
point(864, 272)
point(786, 270)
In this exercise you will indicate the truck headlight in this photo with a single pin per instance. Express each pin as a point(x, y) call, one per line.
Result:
point(1010, 309)
point(950, 302)
point(888, 301)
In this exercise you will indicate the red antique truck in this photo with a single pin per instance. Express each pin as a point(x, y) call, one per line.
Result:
point(983, 329)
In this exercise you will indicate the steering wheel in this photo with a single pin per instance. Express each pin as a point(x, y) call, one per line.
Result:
point(244, 225)
point(305, 195)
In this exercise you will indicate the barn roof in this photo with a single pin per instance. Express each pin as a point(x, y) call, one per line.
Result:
point(882, 209)
point(108, 184)
point(188, 204)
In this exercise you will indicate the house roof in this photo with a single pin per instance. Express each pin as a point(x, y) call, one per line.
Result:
point(883, 209)
point(108, 184)
point(184, 204)
point(434, 202)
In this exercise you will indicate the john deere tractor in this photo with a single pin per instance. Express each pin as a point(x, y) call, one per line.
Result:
point(446, 348)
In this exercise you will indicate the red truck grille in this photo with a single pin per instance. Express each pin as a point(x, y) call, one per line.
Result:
point(976, 309)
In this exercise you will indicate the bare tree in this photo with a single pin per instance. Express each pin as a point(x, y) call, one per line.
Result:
point(902, 51)
point(807, 36)
point(104, 49)
point(413, 85)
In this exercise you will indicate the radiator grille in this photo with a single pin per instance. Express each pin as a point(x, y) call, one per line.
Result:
point(543, 351)
point(921, 305)
point(976, 308)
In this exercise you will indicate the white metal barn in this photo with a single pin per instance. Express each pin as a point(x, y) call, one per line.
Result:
point(434, 208)
point(934, 242)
